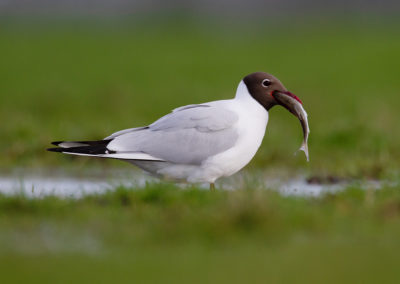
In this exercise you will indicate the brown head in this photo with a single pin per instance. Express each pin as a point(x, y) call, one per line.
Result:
point(268, 90)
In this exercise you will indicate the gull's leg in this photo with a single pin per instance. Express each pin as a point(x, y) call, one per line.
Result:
point(212, 186)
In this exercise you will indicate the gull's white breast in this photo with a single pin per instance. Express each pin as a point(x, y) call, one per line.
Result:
point(251, 125)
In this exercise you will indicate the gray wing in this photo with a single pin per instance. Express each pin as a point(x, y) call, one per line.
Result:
point(119, 133)
point(188, 135)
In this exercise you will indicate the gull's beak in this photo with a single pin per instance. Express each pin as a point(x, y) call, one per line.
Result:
point(288, 100)
point(293, 104)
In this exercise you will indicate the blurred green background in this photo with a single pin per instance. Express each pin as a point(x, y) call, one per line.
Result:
point(86, 80)
point(82, 70)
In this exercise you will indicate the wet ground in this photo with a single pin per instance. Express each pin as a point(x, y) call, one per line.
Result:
point(77, 185)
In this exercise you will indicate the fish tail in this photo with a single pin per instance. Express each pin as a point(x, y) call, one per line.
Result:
point(304, 148)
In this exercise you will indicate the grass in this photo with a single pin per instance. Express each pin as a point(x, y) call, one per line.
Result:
point(84, 83)
point(81, 82)
point(165, 234)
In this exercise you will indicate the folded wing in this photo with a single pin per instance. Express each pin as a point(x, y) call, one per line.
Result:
point(188, 135)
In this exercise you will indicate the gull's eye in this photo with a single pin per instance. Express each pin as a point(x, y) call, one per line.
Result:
point(266, 82)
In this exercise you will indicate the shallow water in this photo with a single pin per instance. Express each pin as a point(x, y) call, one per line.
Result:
point(66, 186)
point(76, 186)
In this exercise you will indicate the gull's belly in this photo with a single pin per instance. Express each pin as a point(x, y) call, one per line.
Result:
point(251, 133)
point(229, 162)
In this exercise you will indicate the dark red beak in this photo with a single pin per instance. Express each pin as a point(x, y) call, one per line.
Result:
point(288, 94)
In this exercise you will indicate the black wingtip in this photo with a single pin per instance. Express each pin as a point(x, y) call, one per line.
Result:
point(82, 147)
point(56, 143)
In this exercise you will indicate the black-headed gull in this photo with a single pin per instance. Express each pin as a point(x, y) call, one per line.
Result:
point(200, 142)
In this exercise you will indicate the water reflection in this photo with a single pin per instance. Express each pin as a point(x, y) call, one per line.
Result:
point(78, 186)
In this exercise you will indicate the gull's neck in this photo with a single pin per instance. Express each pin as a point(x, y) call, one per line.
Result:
point(245, 98)
point(242, 93)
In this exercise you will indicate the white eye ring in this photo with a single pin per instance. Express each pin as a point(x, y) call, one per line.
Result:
point(266, 83)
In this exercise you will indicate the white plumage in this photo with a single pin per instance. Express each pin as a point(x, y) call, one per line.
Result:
point(203, 142)
point(194, 143)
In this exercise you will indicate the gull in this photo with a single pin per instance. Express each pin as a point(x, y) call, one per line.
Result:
point(200, 143)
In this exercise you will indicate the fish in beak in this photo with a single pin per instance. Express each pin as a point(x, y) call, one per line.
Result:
point(293, 104)
point(269, 92)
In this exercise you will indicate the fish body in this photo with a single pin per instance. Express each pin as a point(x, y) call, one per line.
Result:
point(294, 105)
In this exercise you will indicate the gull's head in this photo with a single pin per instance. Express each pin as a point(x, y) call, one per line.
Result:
point(269, 91)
